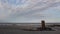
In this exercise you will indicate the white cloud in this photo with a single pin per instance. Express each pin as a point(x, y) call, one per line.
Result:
point(27, 8)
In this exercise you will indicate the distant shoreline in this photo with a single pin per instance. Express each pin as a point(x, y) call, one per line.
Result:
point(24, 23)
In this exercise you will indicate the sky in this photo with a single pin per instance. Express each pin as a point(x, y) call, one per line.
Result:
point(29, 10)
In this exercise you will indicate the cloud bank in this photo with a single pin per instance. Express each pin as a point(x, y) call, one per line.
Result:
point(28, 10)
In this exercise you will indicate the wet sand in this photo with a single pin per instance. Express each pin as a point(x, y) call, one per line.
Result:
point(16, 31)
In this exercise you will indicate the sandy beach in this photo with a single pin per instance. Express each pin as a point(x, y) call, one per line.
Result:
point(17, 29)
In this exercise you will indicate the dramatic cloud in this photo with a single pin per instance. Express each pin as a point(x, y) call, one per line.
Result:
point(28, 10)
